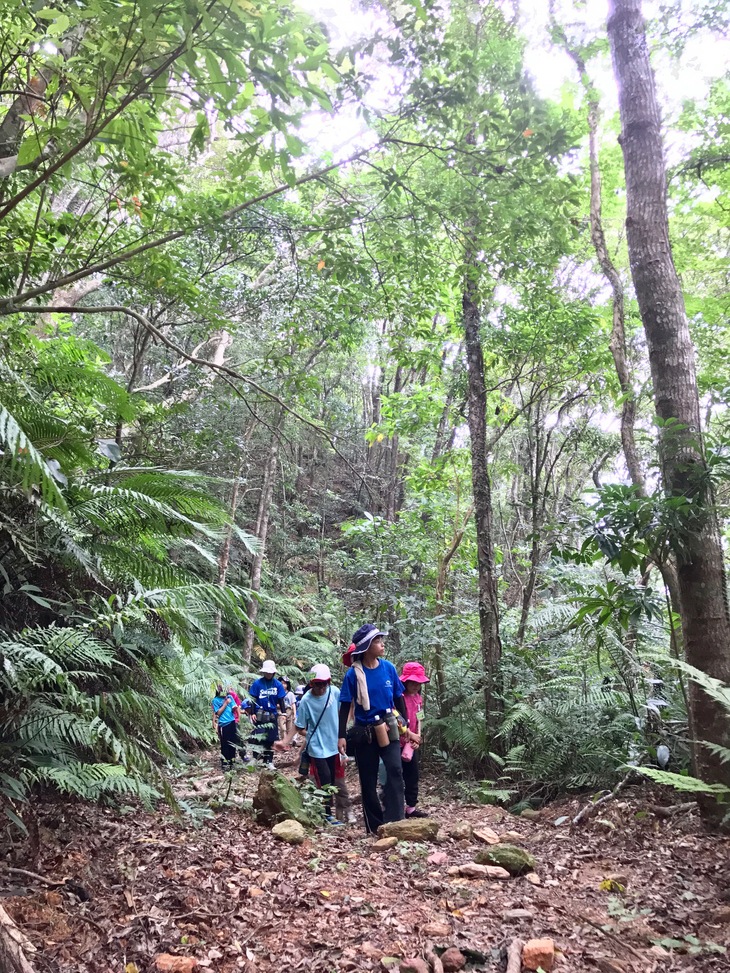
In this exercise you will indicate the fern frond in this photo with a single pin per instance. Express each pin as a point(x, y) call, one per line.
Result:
point(714, 688)
point(681, 783)
point(24, 462)
point(92, 781)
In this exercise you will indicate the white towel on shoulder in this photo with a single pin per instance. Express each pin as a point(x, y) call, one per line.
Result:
point(362, 697)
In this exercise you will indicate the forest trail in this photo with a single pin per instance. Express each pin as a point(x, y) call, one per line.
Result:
point(125, 892)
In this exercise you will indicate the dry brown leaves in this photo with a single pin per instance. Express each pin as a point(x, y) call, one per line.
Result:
point(228, 896)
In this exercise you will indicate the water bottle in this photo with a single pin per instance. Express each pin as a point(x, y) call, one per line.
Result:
point(392, 723)
point(381, 732)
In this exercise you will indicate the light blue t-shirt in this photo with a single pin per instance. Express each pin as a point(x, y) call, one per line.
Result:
point(323, 743)
point(384, 687)
point(227, 714)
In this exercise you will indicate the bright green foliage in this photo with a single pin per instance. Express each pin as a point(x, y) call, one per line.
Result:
point(155, 171)
point(107, 599)
point(682, 782)
point(107, 82)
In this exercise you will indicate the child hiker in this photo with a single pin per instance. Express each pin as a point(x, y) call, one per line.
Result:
point(317, 717)
point(343, 801)
point(286, 719)
point(224, 724)
point(267, 698)
point(413, 677)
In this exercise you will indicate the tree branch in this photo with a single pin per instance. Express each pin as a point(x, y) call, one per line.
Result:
point(8, 305)
point(224, 371)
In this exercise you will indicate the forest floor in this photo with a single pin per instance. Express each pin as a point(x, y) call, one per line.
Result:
point(125, 890)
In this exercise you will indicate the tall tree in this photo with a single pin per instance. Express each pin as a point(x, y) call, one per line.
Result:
point(491, 645)
point(702, 580)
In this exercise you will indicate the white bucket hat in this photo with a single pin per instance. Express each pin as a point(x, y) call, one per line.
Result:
point(320, 673)
point(268, 668)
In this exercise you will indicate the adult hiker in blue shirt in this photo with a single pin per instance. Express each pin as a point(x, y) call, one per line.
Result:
point(267, 695)
point(224, 723)
point(372, 683)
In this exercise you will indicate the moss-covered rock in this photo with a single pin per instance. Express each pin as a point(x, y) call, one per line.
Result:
point(277, 799)
point(411, 829)
point(517, 861)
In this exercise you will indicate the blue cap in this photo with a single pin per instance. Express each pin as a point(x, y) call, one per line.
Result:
point(363, 637)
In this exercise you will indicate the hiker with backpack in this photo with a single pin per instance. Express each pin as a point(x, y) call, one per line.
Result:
point(317, 717)
point(286, 719)
point(267, 698)
point(373, 685)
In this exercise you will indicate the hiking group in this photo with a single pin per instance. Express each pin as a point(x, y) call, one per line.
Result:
point(374, 717)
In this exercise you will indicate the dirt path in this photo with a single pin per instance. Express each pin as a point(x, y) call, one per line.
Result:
point(223, 892)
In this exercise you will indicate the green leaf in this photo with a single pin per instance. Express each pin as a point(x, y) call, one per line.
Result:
point(31, 148)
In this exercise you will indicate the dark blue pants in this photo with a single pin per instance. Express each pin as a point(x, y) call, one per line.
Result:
point(410, 779)
point(230, 742)
point(262, 740)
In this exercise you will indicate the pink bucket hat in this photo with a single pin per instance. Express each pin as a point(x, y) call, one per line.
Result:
point(414, 671)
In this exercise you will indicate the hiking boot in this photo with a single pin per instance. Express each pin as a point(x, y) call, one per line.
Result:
point(331, 819)
point(416, 814)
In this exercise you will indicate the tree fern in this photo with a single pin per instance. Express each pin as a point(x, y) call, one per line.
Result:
point(106, 676)
point(24, 464)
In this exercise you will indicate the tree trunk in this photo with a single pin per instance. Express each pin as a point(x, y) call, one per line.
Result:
point(442, 577)
point(262, 530)
point(702, 581)
point(618, 332)
point(617, 343)
point(224, 555)
point(538, 444)
point(441, 441)
point(491, 648)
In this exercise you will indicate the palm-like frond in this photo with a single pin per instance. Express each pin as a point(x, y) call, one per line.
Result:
point(100, 703)
point(24, 465)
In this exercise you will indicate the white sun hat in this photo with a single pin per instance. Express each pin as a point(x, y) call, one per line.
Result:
point(268, 668)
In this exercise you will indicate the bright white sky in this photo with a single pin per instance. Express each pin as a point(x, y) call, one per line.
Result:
point(705, 58)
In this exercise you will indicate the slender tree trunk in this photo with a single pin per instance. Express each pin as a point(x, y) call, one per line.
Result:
point(617, 343)
point(445, 424)
point(442, 577)
point(701, 574)
point(491, 647)
point(262, 530)
point(224, 555)
point(537, 449)
point(529, 589)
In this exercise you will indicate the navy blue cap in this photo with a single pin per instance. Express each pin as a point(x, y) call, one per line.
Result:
point(363, 637)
